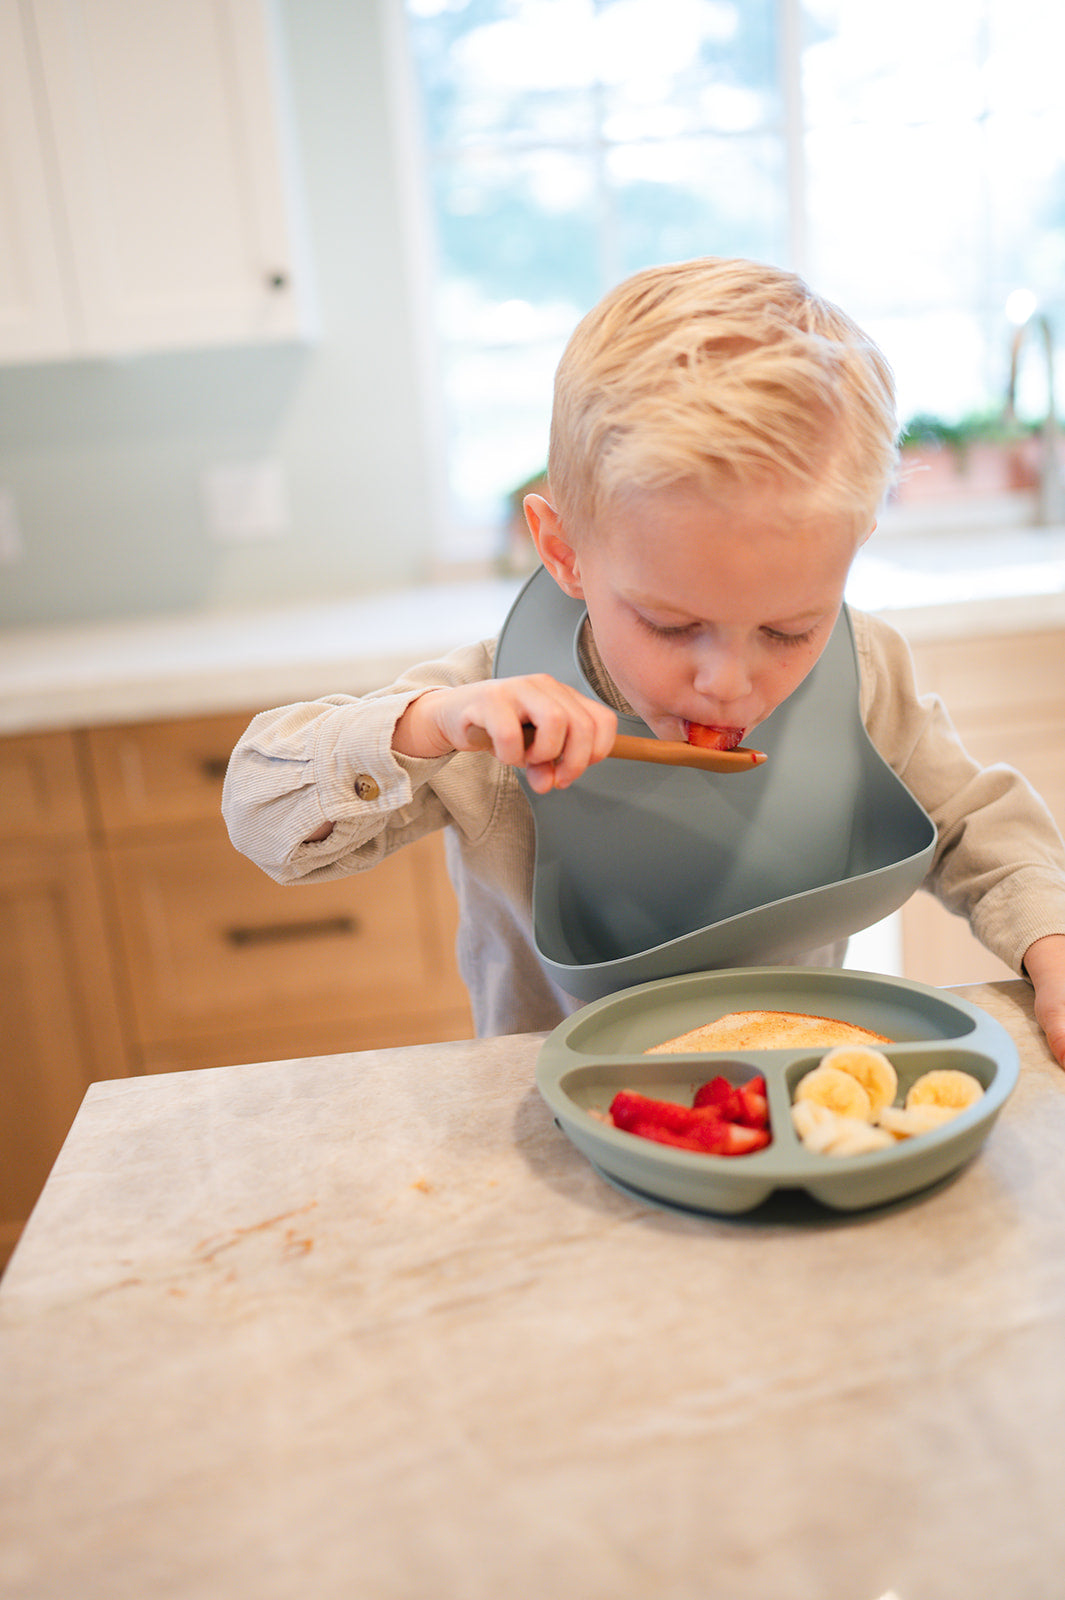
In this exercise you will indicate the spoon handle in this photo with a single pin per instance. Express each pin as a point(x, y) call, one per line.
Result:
point(666, 752)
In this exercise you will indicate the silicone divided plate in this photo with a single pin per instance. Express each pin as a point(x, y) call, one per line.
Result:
point(599, 1050)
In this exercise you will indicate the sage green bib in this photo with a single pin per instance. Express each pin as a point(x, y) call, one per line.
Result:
point(643, 872)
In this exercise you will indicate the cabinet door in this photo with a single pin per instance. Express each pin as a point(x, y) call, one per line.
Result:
point(40, 788)
point(58, 1013)
point(164, 121)
point(214, 949)
point(225, 966)
point(1006, 696)
point(33, 305)
point(150, 775)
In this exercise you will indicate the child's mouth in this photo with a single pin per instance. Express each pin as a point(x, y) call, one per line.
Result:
point(710, 738)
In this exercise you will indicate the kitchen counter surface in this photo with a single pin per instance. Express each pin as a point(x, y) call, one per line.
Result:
point(370, 1326)
point(208, 662)
point(946, 586)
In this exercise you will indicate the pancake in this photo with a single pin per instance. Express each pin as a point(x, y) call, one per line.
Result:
point(767, 1030)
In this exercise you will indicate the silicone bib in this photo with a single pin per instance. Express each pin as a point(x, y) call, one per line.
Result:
point(644, 872)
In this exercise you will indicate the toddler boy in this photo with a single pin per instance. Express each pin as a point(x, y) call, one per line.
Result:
point(720, 441)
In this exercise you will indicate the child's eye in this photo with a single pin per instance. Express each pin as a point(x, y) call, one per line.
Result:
point(789, 638)
point(663, 630)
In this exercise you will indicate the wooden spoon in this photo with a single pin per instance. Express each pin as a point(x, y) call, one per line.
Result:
point(666, 752)
point(675, 753)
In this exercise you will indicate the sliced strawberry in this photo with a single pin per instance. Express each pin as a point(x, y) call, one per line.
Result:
point(629, 1108)
point(744, 1141)
point(754, 1104)
point(715, 1128)
point(721, 1096)
point(712, 1136)
point(745, 1103)
point(715, 1137)
point(708, 738)
point(661, 1135)
point(717, 1092)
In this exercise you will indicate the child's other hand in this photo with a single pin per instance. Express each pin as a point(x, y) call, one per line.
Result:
point(1044, 962)
point(570, 731)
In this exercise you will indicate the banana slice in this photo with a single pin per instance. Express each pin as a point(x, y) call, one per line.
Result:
point(827, 1133)
point(906, 1122)
point(872, 1069)
point(815, 1124)
point(858, 1138)
point(839, 1091)
point(945, 1087)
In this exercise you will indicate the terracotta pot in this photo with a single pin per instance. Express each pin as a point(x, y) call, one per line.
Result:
point(940, 472)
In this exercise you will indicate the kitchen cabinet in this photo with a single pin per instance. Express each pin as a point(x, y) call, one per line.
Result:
point(145, 200)
point(33, 309)
point(136, 939)
point(60, 1017)
point(224, 965)
point(1006, 696)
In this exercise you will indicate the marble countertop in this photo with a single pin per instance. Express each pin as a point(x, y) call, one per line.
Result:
point(206, 662)
point(189, 665)
point(370, 1325)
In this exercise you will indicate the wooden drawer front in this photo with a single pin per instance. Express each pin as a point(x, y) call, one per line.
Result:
point(938, 948)
point(1022, 675)
point(368, 1031)
point(58, 1015)
point(162, 772)
point(212, 945)
point(40, 790)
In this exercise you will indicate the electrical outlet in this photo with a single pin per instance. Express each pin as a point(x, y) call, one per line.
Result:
point(11, 547)
point(246, 500)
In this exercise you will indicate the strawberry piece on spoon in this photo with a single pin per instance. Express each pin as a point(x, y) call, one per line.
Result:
point(707, 738)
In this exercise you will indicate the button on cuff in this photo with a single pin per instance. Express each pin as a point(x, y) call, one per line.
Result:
point(366, 788)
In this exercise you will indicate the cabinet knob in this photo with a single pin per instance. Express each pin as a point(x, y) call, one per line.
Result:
point(277, 280)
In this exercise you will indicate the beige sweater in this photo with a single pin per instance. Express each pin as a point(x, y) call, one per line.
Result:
point(999, 860)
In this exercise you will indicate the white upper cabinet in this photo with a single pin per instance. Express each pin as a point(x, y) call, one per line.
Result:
point(143, 194)
point(33, 300)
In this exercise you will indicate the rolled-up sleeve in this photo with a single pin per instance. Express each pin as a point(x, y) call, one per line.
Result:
point(331, 761)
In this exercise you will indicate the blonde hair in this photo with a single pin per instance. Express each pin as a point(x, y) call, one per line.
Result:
point(720, 373)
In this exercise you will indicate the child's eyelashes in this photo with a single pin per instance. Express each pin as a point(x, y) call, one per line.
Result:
point(684, 630)
point(662, 630)
point(779, 637)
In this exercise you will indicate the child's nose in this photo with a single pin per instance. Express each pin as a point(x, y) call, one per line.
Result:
point(722, 672)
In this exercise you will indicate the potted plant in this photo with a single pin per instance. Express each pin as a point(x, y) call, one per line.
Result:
point(983, 453)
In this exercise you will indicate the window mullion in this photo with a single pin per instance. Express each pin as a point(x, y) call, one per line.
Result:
point(790, 35)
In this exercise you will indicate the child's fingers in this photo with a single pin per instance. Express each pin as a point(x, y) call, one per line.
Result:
point(1050, 1014)
point(1054, 1028)
point(569, 736)
point(578, 752)
point(1044, 962)
point(548, 728)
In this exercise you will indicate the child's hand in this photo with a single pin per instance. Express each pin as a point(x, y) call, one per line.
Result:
point(1044, 962)
point(570, 731)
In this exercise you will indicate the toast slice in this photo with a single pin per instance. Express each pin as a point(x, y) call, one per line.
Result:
point(767, 1030)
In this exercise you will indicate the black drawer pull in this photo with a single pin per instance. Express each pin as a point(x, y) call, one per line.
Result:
point(214, 768)
point(279, 932)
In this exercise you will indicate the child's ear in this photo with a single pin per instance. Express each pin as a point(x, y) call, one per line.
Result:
point(555, 550)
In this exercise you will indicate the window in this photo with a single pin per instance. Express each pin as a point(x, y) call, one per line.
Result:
point(909, 160)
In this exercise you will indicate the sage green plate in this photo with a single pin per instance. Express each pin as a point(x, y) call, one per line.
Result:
point(599, 1050)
